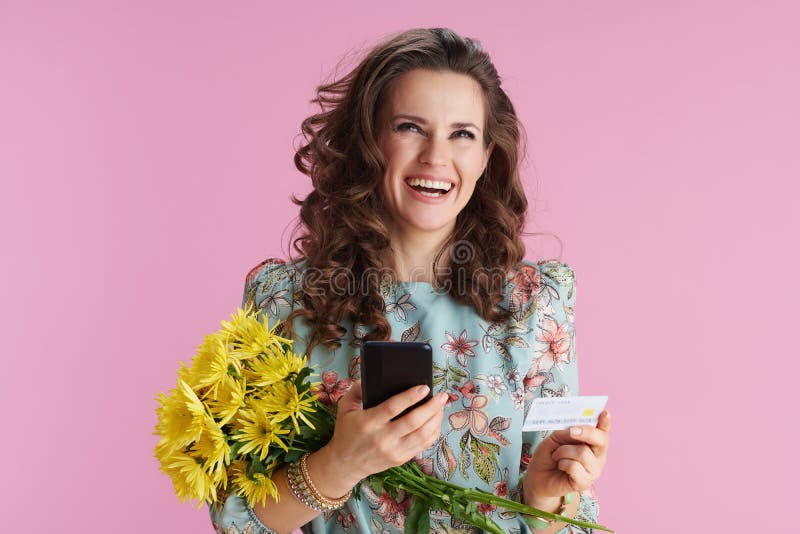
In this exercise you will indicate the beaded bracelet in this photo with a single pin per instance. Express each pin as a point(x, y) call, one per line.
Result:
point(540, 522)
point(306, 492)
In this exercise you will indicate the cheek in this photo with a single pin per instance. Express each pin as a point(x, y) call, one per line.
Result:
point(396, 152)
point(471, 164)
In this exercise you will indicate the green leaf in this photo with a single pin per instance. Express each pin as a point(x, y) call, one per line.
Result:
point(357, 491)
point(457, 373)
point(484, 464)
point(516, 341)
point(306, 432)
point(502, 350)
point(484, 468)
point(273, 455)
point(301, 377)
point(424, 522)
point(519, 328)
point(439, 502)
point(472, 508)
point(411, 333)
point(529, 310)
point(292, 456)
point(418, 519)
point(376, 484)
point(438, 374)
point(235, 449)
point(464, 440)
point(466, 461)
point(255, 466)
point(445, 459)
point(495, 328)
point(486, 447)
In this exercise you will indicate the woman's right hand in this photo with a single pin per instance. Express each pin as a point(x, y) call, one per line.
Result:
point(368, 441)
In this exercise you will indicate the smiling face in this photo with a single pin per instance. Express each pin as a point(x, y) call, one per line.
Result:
point(430, 130)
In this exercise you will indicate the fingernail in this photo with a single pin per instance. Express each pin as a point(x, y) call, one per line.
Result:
point(442, 398)
point(422, 390)
point(575, 431)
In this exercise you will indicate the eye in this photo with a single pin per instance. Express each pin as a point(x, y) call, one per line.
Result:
point(407, 126)
point(469, 135)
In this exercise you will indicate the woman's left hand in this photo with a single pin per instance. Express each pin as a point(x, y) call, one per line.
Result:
point(567, 460)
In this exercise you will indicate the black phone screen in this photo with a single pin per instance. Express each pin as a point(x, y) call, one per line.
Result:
point(391, 367)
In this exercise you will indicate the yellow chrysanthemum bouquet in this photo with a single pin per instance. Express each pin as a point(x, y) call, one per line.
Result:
point(245, 407)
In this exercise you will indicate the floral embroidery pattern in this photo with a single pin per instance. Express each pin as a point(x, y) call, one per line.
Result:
point(400, 307)
point(489, 388)
point(391, 511)
point(331, 389)
point(461, 347)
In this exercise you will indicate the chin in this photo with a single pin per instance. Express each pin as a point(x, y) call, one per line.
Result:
point(432, 226)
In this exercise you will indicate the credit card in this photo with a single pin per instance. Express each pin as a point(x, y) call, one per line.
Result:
point(556, 413)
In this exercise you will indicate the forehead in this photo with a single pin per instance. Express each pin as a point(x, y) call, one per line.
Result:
point(436, 96)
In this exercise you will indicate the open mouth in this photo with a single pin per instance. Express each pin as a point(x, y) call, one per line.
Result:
point(429, 188)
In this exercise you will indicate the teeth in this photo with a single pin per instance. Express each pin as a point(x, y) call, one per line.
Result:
point(444, 186)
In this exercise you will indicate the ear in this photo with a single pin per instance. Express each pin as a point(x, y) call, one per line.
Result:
point(487, 155)
point(489, 150)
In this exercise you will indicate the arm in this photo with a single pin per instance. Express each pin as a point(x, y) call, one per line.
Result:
point(364, 442)
point(554, 372)
point(267, 286)
point(288, 514)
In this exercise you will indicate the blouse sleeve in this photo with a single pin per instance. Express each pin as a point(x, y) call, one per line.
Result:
point(269, 287)
point(554, 370)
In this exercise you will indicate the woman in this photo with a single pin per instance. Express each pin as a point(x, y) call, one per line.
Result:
point(412, 232)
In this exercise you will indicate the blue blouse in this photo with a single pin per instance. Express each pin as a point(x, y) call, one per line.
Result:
point(492, 372)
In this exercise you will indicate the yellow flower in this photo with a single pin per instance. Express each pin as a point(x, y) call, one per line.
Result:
point(213, 448)
point(257, 431)
point(185, 373)
point(255, 489)
point(283, 401)
point(250, 336)
point(210, 364)
point(228, 400)
point(180, 419)
point(189, 478)
point(265, 371)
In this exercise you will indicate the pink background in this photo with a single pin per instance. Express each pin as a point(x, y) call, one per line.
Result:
point(146, 165)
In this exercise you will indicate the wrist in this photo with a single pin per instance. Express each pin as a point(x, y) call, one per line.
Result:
point(566, 505)
point(329, 475)
point(546, 504)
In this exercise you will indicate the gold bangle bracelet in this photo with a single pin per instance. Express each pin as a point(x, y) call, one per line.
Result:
point(304, 490)
point(540, 522)
point(328, 504)
point(298, 488)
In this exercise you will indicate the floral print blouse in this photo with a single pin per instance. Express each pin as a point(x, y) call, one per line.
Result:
point(491, 371)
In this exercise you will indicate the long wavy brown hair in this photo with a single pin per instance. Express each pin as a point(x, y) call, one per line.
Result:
point(342, 231)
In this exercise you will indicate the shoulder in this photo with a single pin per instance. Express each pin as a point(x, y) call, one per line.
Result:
point(558, 272)
point(545, 276)
point(272, 283)
point(270, 269)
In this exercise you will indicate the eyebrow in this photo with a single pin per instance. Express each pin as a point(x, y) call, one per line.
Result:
point(423, 121)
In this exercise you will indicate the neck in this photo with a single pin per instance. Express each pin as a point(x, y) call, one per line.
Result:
point(413, 253)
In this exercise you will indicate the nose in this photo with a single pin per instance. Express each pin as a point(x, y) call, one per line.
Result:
point(435, 152)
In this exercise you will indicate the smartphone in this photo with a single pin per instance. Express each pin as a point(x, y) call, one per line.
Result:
point(391, 367)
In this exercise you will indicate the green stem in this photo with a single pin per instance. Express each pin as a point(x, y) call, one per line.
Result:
point(427, 486)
